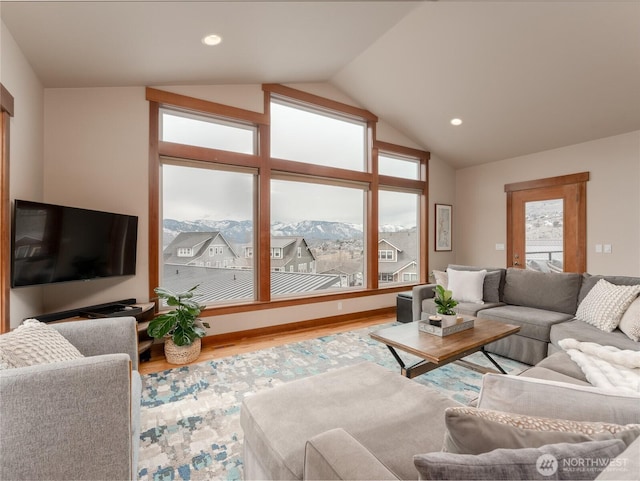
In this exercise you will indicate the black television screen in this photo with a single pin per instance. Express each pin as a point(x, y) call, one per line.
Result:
point(54, 243)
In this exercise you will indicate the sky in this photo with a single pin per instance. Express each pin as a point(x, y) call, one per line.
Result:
point(192, 194)
point(204, 193)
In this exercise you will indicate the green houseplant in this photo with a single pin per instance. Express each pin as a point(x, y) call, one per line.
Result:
point(444, 301)
point(180, 327)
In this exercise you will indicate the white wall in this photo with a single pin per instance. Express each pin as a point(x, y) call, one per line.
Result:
point(442, 190)
point(96, 157)
point(613, 202)
point(26, 149)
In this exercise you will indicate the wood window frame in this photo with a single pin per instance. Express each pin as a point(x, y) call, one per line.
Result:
point(6, 111)
point(266, 166)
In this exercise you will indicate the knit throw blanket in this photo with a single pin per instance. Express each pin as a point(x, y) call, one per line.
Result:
point(606, 367)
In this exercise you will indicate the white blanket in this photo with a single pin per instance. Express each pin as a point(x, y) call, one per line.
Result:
point(606, 367)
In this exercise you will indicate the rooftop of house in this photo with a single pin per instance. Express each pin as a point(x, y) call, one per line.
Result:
point(406, 247)
point(236, 284)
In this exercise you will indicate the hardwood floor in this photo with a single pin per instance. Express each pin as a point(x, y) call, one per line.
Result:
point(211, 350)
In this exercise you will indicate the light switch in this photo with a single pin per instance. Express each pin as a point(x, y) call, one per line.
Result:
point(499, 247)
point(598, 248)
point(607, 248)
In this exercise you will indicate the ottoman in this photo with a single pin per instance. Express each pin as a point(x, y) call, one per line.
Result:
point(390, 415)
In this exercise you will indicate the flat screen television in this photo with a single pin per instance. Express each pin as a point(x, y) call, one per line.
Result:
point(53, 243)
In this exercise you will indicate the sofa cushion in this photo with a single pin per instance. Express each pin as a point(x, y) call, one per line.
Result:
point(465, 308)
point(388, 414)
point(534, 323)
point(562, 363)
point(605, 304)
point(466, 286)
point(34, 343)
point(335, 454)
point(523, 349)
point(581, 331)
point(551, 291)
point(545, 374)
point(509, 464)
point(550, 398)
point(630, 322)
point(475, 431)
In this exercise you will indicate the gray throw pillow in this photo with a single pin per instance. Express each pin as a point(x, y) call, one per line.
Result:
point(491, 288)
point(476, 431)
point(553, 461)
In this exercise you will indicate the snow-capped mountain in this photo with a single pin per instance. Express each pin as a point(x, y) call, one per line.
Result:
point(317, 230)
point(236, 231)
point(241, 231)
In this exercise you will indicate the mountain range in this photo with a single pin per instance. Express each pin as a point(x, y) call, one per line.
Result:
point(241, 231)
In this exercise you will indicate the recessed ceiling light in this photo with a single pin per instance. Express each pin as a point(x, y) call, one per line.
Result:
point(212, 39)
point(456, 122)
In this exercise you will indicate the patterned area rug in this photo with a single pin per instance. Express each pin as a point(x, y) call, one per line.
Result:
point(190, 420)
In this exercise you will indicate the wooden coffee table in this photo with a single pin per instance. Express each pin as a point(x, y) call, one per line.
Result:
point(437, 351)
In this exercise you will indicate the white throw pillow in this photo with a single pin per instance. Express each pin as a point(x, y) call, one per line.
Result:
point(34, 343)
point(605, 304)
point(441, 278)
point(466, 286)
point(630, 322)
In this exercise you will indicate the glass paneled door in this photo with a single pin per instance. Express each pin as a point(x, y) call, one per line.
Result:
point(544, 235)
point(546, 224)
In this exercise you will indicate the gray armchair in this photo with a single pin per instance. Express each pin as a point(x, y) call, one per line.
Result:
point(75, 419)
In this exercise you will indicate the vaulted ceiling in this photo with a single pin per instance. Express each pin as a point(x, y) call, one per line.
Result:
point(523, 76)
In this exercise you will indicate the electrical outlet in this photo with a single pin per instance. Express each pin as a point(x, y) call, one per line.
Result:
point(499, 247)
point(339, 306)
point(607, 248)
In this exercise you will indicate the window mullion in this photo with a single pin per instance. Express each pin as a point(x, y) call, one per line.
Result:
point(204, 154)
point(263, 216)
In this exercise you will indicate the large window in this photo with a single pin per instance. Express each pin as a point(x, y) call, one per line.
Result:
point(398, 166)
point(207, 226)
point(319, 230)
point(300, 201)
point(398, 238)
point(317, 137)
point(201, 131)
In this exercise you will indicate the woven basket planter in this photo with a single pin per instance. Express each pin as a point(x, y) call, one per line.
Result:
point(181, 354)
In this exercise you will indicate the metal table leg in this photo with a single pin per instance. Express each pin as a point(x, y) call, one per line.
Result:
point(493, 361)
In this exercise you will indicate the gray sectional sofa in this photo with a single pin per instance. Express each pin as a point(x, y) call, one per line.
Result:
point(544, 305)
point(366, 422)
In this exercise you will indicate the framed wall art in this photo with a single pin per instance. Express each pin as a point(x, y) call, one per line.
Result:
point(443, 227)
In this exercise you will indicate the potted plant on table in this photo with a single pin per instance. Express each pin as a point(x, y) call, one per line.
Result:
point(445, 304)
point(180, 327)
